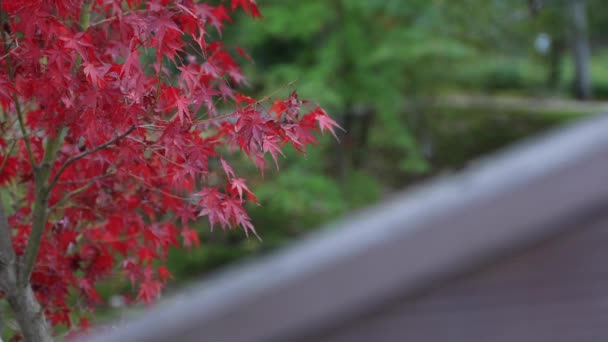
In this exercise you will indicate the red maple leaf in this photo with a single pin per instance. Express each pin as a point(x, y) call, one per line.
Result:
point(238, 185)
point(149, 291)
point(325, 122)
point(227, 168)
point(115, 161)
point(164, 273)
point(249, 6)
point(190, 237)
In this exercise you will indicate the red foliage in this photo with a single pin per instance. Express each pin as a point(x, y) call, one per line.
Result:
point(138, 144)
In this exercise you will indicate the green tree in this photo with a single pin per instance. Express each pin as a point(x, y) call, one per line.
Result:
point(361, 59)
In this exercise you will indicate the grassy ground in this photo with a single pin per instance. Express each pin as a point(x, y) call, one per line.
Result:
point(547, 106)
point(526, 75)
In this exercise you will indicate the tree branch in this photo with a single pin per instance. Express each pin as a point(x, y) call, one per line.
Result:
point(10, 51)
point(85, 14)
point(11, 75)
point(40, 210)
point(7, 253)
point(28, 146)
point(5, 161)
point(108, 19)
point(67, 196)
point(86, 180)
point(87, 152)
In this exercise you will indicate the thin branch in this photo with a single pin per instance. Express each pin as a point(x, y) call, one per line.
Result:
point(8, 154)
point(167, 159)
point(24, 132)
point(11, 75)
point(87, 152)
point(7, 123)
point(156, 189)
point(106, 20)
point(276, 91)
point(258, 102)
point(67, 196)
point(152, 127)
point(40, 209)
point(87, 180)
point(10, 51)
point(125, 13)
point(120, 238)
point(200, 122)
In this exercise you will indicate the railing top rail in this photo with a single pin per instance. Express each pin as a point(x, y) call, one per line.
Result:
point(401, 245)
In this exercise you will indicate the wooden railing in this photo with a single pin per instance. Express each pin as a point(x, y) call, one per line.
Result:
point(401, 245)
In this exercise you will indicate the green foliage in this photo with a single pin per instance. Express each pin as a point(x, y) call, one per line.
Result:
point(345, 53)
point(498, 73)
point(386, 55)
point(461, 135)
point(299, 198)
point(303, 198)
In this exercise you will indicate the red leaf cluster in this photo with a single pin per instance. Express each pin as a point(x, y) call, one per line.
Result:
point(141, 99)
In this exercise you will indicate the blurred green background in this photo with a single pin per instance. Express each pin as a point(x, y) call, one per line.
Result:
point(421, 87)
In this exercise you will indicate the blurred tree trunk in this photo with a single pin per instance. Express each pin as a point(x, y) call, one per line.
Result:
point(351, 151)
point(344, 148)
point(535, 6)
point(556, 55)
point(580, 49)
point(420, 125)
point(365, 117)
point(356, 118)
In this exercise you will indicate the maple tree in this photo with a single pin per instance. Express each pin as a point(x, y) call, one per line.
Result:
point(108, 158)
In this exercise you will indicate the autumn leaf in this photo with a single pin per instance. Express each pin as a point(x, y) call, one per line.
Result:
point(325, 122)
point(164, 273)
point(122, 151)
point(238, 185)
point(190, 237)
point(249, 6)
point(149, 291)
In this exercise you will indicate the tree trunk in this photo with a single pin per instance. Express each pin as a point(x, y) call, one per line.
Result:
point(26, 308)
point(555, 63)
point(580, 49)
point(29, 315)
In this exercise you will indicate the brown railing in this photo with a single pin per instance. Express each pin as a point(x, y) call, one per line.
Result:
point(527, 193)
